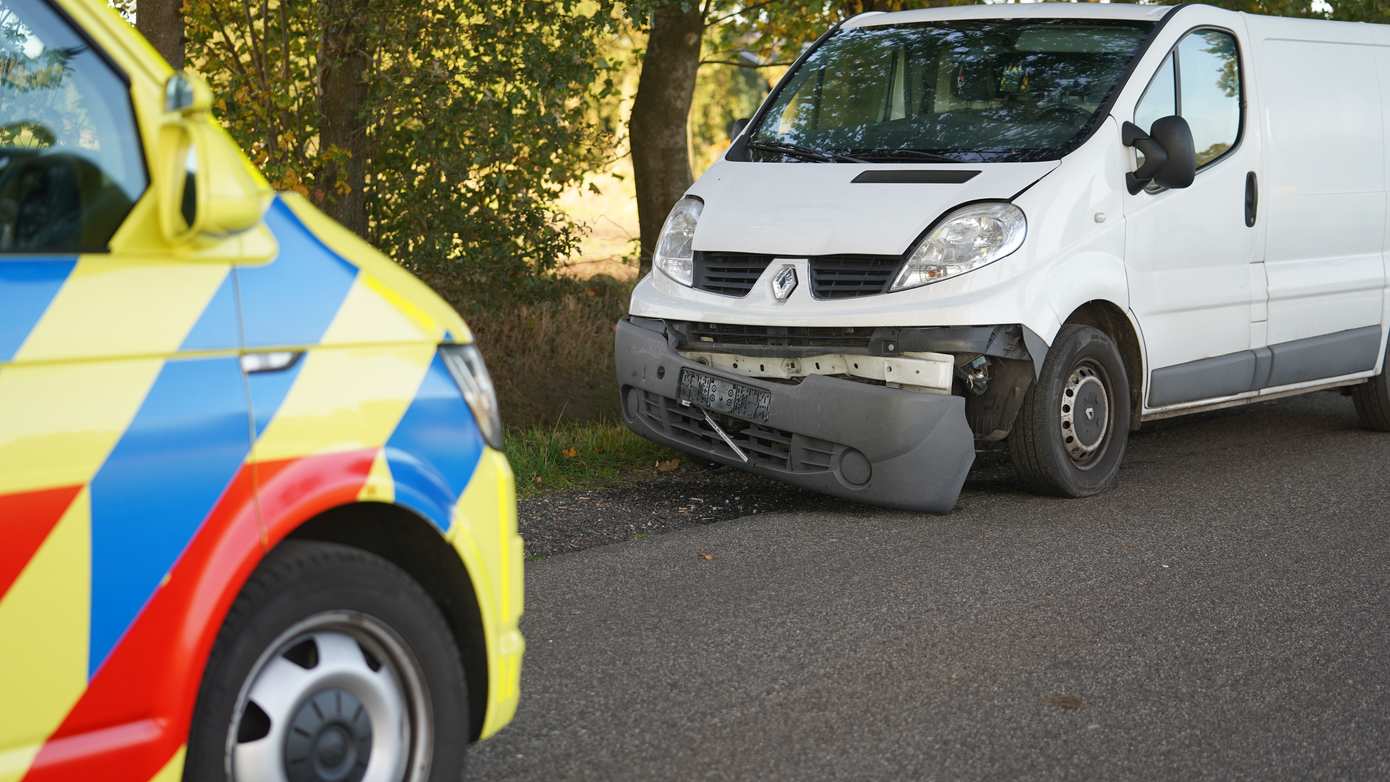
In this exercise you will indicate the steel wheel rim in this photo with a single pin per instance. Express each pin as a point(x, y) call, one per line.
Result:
point(296, 716)
point(1086, 414)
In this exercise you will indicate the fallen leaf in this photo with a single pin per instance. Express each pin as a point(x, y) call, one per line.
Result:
point(1066, 702)
point(706, 556)
point(536, 480)
point(668, 465)
point(570, 453)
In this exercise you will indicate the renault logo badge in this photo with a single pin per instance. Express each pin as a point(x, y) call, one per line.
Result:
point(784, 282)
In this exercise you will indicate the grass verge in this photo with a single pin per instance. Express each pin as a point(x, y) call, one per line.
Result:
point(551, 358)
point(581, 456)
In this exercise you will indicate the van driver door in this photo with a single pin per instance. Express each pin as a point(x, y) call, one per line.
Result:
point(1196, 281)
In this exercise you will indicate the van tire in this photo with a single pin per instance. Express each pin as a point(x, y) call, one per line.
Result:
point(1372, 400)
point(1084, 361)
point(313, 603)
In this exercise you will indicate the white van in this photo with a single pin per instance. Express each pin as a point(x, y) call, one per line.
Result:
point(1037, 224)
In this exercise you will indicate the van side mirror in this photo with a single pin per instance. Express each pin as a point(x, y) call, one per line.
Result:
point(206, 192)
point(736, 127)
point(1170, 158)
point(187, 93)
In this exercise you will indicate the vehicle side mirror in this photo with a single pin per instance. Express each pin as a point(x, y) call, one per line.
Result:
point(187, 93)
point(1170, 158)
point(206, 190)
point(736, 127)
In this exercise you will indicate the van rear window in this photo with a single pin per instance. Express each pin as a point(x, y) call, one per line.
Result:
point(970, 91)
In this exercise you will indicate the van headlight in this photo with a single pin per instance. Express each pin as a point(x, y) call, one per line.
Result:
point(675, 247)
point(466, 366)
point(968, 238)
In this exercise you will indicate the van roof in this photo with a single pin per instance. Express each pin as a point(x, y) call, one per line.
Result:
point(1118, 11)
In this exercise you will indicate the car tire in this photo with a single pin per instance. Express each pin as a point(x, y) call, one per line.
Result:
point(1070, 434)
point(1372, 400)
point(332, 663)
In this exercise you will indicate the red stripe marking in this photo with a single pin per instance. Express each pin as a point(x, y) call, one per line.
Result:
point(29, 517)
point(155, 671)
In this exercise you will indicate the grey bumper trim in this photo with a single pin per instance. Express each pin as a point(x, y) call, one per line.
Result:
point(902, 449)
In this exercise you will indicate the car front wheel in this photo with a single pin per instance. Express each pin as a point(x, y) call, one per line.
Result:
point(332, 666)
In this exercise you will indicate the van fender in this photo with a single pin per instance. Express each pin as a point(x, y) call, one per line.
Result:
point(1075, 281)
point(1085, 279)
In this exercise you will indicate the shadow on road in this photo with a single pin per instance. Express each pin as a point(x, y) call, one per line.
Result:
point(703, 494)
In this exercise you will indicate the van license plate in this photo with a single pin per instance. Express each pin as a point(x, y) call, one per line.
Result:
point(724, 396)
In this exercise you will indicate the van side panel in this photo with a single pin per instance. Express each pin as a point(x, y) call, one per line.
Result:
point(1082, 255)
point(1324, 194)
point(1383, 70)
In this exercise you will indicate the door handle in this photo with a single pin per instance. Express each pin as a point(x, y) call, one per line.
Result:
point(1252, 199)
point(273, 361)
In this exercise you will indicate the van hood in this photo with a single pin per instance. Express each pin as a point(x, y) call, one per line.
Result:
point(810, 209)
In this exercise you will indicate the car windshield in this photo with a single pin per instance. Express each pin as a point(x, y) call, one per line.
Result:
point(972, 90)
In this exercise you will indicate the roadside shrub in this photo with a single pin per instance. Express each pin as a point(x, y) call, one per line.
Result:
point(550, 352)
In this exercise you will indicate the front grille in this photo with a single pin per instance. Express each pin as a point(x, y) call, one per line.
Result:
point(765, 446)
point(730, 274)
point(829, 338)
point(848, 276)
point(832, 276)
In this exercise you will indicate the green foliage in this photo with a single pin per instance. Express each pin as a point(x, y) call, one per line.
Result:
point(723, 93)
point(478, 116)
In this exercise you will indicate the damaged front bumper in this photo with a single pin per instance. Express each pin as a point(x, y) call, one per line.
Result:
point(888, 446)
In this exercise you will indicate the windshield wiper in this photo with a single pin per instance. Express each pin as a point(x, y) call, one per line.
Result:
point(903, 154)
point(805, 153)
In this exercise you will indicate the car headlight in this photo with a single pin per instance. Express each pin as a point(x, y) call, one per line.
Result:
point(965, 240)
point(466, 365)
point(675, 247)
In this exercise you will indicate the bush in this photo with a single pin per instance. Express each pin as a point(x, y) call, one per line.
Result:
point(550, 354)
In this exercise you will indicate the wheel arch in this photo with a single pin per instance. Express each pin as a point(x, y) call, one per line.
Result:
point(413, 544)
point(1116, 323)
point(319, 498)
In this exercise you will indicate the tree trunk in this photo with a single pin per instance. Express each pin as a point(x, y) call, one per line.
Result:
point(161, 22)
point(660, 113)
point(344, 60)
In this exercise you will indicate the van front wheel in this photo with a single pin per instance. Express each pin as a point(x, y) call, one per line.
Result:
point(333, 665)
point(1071, 432)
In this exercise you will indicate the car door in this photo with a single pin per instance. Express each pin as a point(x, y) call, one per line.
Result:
point(1196, 286)
point(123, 415)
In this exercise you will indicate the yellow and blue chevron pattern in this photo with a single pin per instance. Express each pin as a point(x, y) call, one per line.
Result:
point(143, 473)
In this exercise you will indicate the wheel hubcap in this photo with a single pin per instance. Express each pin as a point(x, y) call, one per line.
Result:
point(1085, 411)
point(330, 738)
point(337, 698)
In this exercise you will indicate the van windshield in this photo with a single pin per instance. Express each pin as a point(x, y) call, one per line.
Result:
point(991, 90)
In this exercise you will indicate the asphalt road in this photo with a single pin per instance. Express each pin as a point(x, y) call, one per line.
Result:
point(1223, 613)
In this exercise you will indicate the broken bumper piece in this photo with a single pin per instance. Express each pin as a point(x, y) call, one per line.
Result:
point(928, 372)
point(888, 446)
